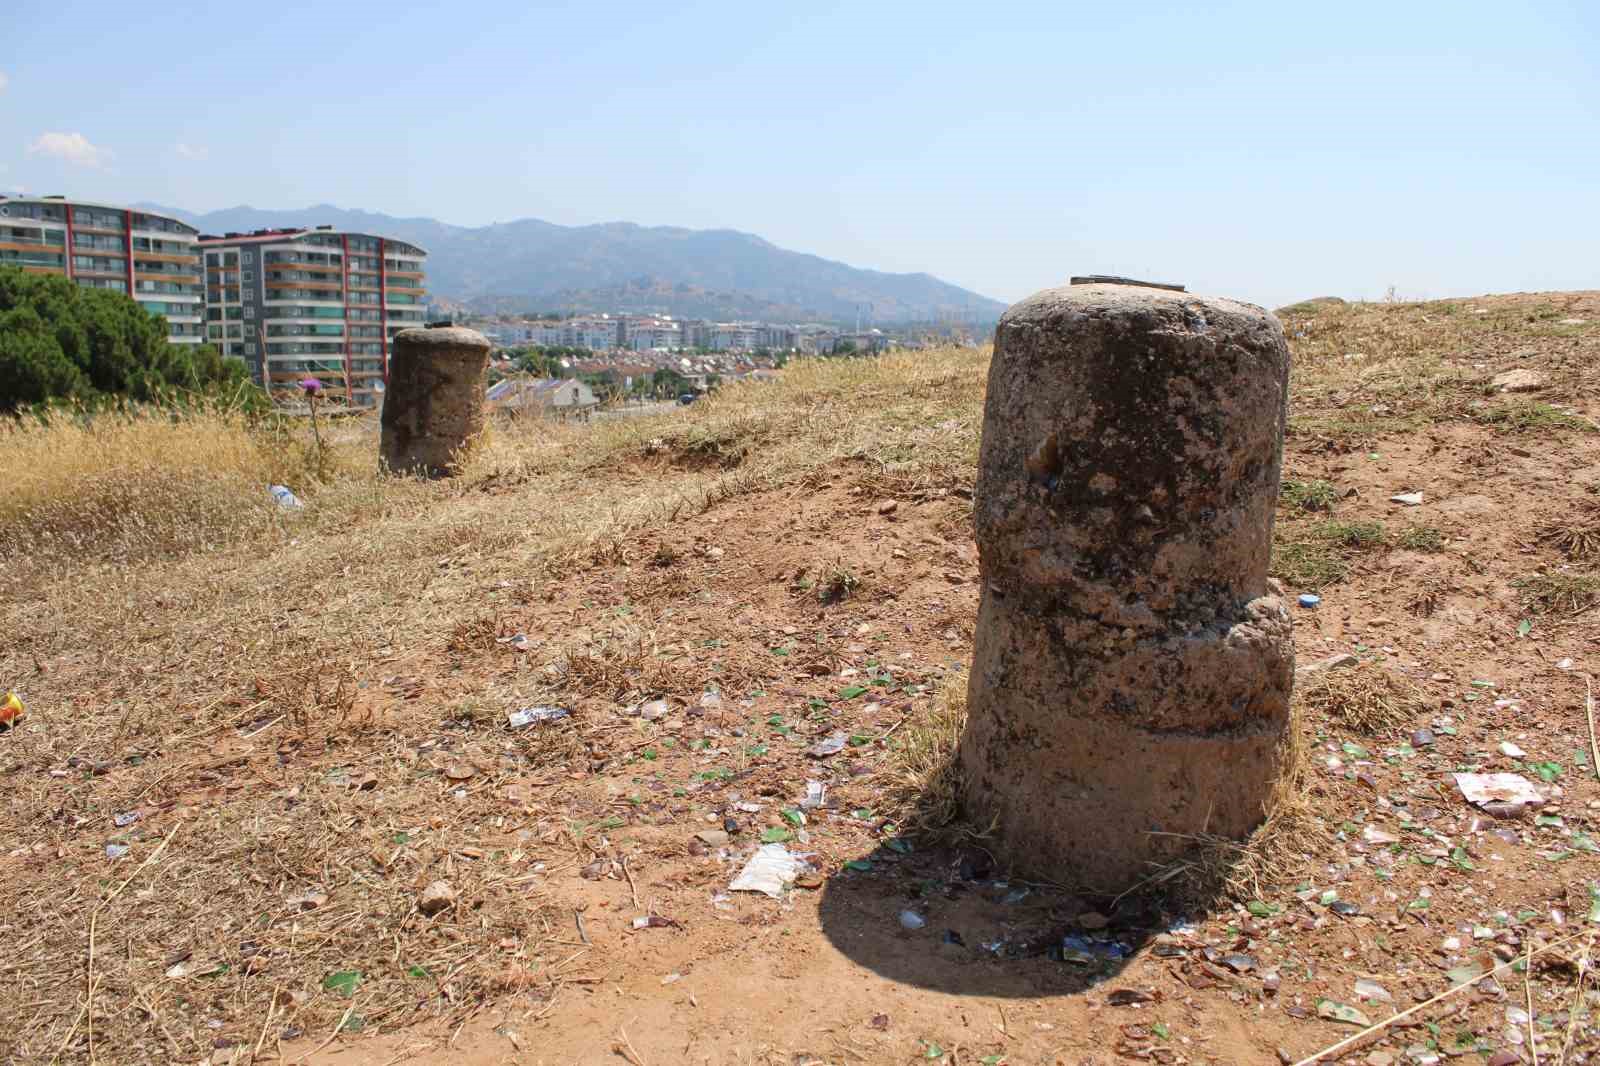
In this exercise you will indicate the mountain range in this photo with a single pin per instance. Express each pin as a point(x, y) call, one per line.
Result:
point(531, 265)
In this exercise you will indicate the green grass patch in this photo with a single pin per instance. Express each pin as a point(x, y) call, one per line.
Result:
point(1361, 535)
point(1420, 539)
point(1530, 417)
point(1558, 593)
point(1308, 495)
point(1307, 564)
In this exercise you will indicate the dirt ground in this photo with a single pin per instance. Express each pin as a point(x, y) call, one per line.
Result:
point(701, 659)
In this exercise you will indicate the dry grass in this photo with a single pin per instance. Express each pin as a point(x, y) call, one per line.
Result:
point(922, 790)
point(1365, 698)
point(1287, 843)
point(1559, 592)
point(288, 696)
point(1575, 534)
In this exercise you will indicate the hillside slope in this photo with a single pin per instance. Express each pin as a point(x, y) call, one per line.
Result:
point(257, 737)
point(534, 265)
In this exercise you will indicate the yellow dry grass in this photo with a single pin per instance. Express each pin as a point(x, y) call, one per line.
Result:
point(1366, 698)
point(270, 694)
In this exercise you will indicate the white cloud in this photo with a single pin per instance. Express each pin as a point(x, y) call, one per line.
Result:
point(71, 148)
point(193, 152)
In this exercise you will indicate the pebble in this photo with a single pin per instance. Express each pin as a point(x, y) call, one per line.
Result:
point(912, 920)
point(714, 838)
point(1422, 738)
point(436, 897)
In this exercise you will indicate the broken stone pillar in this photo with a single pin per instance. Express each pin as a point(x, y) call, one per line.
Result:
point(1132, 668)
point(433, 405)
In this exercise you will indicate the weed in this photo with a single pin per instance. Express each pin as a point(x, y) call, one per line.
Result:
point(1360, 535)
point(1420, 539)
point(1559, 592)
point(1527, 417)
point(1575, 535)
point(837, 584)
point(1307, 564)
point(1308, 495)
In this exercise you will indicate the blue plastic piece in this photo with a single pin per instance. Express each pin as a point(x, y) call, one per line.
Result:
point(1308, 599)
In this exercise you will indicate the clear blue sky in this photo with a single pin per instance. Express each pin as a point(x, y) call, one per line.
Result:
point(1264, 150)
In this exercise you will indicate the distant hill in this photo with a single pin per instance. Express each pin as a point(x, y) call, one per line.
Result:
point(530, 265)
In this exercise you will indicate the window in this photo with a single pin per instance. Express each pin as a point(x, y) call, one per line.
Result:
point(248, 257)
point(248, 294)
point(249, 312)
point(247, 275)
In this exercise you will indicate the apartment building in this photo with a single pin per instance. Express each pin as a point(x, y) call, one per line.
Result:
point(148, 256)
point(642, 333)
point(323, 303)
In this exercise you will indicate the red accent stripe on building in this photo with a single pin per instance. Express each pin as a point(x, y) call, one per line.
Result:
point(383, 309)
point(67, 262)
point(349, 388)
point(127, 244)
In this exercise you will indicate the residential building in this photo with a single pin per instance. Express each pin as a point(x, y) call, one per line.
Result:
point(643, 334)
point(323, 303)
point(151, 257)
point(872, 340)
point(561, 398)
point(734, 337)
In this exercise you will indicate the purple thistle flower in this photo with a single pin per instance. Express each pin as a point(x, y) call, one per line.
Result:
point(311, 385)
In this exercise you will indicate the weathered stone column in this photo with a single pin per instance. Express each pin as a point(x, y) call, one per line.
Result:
point(433, 406)
point(1132, 668)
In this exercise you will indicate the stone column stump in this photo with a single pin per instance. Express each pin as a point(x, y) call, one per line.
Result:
point(433, 405)
point(1132, 666)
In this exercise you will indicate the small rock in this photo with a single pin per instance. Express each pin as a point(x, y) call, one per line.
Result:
point(714, 838)
point(912, 920)
point(595, 870)
point(831, 745)
point(436, 897)
point(1239, 963)
point(711, 701)
point(1518, 381)
point(1422, 738)
point(1332, 662)
point(1409, 499)
point(654, 710)
point(1511, 751)
point(1380, 1058)
point(1371, 990)
point(460, 771)
point(1092, 920)
point(1373, 835)
point(888, 506)
point(116, 851)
